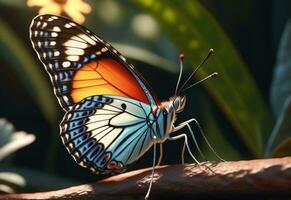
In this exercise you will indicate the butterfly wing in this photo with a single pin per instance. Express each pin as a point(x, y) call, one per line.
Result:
point(81, 64)
point(107, 133)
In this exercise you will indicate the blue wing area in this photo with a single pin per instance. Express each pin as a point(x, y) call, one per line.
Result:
point(107, 133)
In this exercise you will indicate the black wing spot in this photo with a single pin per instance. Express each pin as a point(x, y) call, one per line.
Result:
point(123, 106)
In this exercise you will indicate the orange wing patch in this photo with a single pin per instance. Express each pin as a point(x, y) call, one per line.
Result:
point(105, 77)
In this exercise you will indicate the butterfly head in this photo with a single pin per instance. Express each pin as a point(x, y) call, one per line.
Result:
point(176, 104)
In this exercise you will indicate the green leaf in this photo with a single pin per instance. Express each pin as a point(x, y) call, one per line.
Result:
point(146, 56)
point(281, 132)
point(283, 149)
point(281, 84)
point(281, 93)
point(20, 58)
point(195, 31)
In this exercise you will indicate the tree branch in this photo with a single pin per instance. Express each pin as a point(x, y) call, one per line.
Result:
point(263, 177)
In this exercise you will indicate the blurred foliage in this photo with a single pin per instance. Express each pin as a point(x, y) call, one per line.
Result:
point(11, 141)
point(14, 178)
point(233, 112)
point(281, 84)
point(282, 149)
point(279, 140)
point(146, 57)
point(15, 53)
point(235, 91)
point(217, 139)
point(24, 65)
point(9, 181)
point(33, 179)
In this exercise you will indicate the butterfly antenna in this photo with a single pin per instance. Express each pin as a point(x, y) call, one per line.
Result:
point(204, 79)
point(192, 74)
point(153, 170)
point(181, 58)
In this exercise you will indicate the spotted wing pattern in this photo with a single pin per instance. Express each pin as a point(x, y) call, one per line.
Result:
point(107, 133)
point(81, 64)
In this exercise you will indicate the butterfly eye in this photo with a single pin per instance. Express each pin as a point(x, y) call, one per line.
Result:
point(176, 103)
point(123, 106)
point(179, 104)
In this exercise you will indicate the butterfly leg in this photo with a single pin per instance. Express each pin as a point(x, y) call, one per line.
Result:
point(182, 125)
point(161, 154)
point(187, 123)
point(183, 150)
point(184, 136)
point(153, 169)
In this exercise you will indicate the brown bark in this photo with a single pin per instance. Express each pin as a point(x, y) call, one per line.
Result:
point(263, 177)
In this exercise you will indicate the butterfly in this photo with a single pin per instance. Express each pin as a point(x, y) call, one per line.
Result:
point(112, 116)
